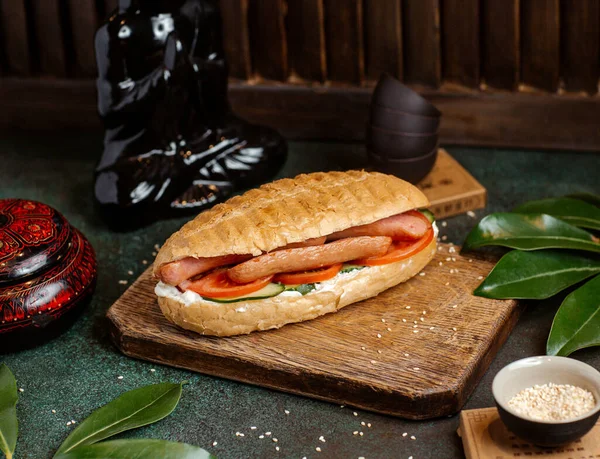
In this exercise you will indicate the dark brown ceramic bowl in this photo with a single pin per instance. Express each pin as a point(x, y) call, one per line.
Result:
point(528, 372)
point(390, 93)
point(399, 145)
point(394, 120)
point(412, 170)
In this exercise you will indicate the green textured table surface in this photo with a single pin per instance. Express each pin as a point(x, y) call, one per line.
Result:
point(80, 370)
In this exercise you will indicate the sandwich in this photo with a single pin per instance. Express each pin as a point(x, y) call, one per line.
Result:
point(293, 250)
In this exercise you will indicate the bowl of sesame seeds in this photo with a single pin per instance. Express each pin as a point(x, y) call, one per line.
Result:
point(548, 401)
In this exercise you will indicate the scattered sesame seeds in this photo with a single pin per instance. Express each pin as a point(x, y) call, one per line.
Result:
point(451, 250)
point(261, 436)
point(455, 306)
point(144, 262)
point(267, 433)
point(447, 283)
point(286, 411)
point(454, 328)
point(152, 370)
point(154, 254)
point(444, 237)
point(253, 428)
point(21, 389)
point(404, 434)
point(318, 449)
point(322, 438)
point(407, 307)
point(274, 440)
point(378, 335)
point(471, 214)
point(379, 351)
point(448, 259)
point(361, 433)
point(373, 362)
point(421, 274)
point(54, 411)
point(412, 437)
point(416, 368)
point(363, 423)
point(363, 348)
point(69, 423)
point(415, 326)
point(470, 260)
point(119, 377)
point(369, 425)
point(415, 331)
point(431, 328)
point(444, 224)
point(403, 320)
point(123, 282)
point(130, 272)
point(441, 264)
point(383, 320)
point(355, 432)
point(406, 355)
point(422, 319)
point(388, 329)
point(277, 448)
point(215, 443)
point(355, 413)
point(479, 277)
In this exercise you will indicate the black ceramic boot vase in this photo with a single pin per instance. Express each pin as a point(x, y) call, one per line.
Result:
point(172, 146)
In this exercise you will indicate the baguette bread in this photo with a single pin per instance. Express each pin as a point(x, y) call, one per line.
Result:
point(277, 214)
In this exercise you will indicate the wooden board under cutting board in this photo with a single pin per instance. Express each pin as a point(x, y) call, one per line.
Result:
point(421, 372)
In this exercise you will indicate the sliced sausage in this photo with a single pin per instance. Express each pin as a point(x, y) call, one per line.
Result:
point(306, 258)
point(402, 226)
point(176, 272)
point(307, 243)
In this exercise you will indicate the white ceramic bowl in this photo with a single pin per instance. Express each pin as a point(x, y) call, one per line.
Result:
point(528, 372)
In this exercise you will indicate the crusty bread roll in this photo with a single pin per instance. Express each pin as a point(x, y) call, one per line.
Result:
point(277, 214)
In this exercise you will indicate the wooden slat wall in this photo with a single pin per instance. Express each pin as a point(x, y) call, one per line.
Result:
point(540, 51)
point(268, 42)
point(49, 37)
point(307, 56)
point(384, 38)
point(460, 41)
point(500, 43)
point(236, 37)
point(345, 44)
point(13, 22)
point(83, 24)
point(580, 45)
point(422, 54)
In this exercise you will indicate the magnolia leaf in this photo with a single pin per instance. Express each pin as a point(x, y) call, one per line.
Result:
point(133, 409)
point(590, 198)
point(137, 449)
point(529, 232)
point(577, 322)
point(8, 412)
point(536, 275)
point(573, 211)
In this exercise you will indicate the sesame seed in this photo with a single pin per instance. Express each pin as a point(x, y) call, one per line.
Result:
point(73, 421)
point(361, 457)
point(379, 351)
point(455, 306)
point(373, 362)
point(363, 348)
point(360, 433)
point(130, 272)
point(154, 254)
point(274, 440)
point(403, 320)
point(119, 377)
point(415, 326)
point(21, 389)
point(421, 274)
point(242, 435)
point(215, 443)
point(152, 370)
point(355, 413)
point(277, 448)
point(431, 328)
point(368, 424)
point(454, 328)
point(322, 438)
point(261, 436)
point(448, 259)
point(144, 262)
point(378, 335)
point(123, 282)
point(267, 433)
point(406, 355)
point(363, 423)
point(480, 277)
point(444, 237)
point(355, 432)
point(286, 411)
point(470, 260)
point(412, 437)
point(416, 368)
point(421, 319)
point(69, 423)
point(441, 264)
point(318, 449)
point(383, 320)
point(404, 434)
point(447, 283)
point(424, 312)
point(407, 307)
point(444, 224)
point(415, 331)
point(253, 428)
point(451, 250)
point(388, 329)
point(410, 457)
point(453, 259)
point(54, 411)
point(471, 214)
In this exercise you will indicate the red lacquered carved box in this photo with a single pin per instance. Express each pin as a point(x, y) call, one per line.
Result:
point(47, 272)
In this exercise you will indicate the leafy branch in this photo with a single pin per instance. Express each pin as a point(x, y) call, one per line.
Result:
point(553, 253)
point(133, 409)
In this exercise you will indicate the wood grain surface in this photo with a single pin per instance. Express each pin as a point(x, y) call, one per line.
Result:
point(368, 355)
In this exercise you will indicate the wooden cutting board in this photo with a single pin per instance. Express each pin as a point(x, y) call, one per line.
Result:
point(368, 355)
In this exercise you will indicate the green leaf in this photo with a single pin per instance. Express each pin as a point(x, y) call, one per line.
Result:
point(536, 275)
point(590, 198)
point(302, 288)
point(137, 449)
point(577, 322)
point(529, 232)
point(8, 412)
point(573, 211)
point(133, 409)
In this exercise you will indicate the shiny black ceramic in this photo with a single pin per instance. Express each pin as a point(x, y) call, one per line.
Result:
point(399, 145)
point(394, 120)
point(412, 170)
point(390, 93)
point(172, 144)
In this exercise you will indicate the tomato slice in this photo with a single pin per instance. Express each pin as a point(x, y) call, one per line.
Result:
point(308, 277)
point(399, 251)
point(218, 285)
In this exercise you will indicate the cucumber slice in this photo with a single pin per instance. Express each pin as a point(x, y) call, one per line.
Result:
point(266, 292)
point(428, 214)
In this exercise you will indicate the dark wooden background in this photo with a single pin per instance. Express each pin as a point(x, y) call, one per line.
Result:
point(519, 73)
